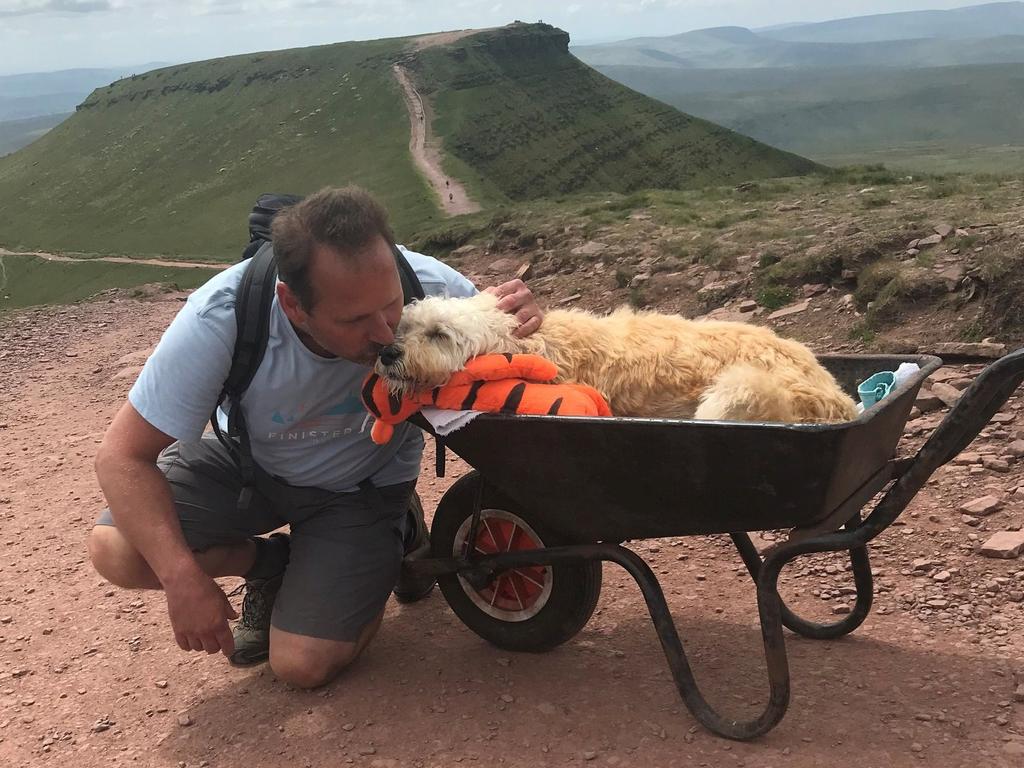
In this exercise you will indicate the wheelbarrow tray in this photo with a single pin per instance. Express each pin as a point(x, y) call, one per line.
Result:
point(612, 479)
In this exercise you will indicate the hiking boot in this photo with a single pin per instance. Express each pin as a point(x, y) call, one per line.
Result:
point(409, 588)
point(252, 632)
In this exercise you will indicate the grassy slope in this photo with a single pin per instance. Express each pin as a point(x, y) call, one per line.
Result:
point(532, 121)
point(171, 161)
point(831, 114)
point(27, 280)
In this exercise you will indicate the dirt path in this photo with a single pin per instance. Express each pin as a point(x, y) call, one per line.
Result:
point(117, 260)
point(90, 675)
point(426, 152)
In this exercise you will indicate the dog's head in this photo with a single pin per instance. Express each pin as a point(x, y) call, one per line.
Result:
point(436, 337)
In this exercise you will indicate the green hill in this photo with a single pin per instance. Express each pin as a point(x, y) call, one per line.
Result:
point(169, 162)
point(529, 120)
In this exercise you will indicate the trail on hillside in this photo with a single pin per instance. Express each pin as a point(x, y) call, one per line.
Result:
point(427, 154)
point(117, 260)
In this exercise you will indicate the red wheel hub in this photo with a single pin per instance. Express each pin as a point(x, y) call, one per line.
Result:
point(518, 589)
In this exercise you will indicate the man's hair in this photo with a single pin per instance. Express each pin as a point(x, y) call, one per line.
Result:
point(344, 219)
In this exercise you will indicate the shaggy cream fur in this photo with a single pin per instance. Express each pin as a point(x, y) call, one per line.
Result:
point(644, 363)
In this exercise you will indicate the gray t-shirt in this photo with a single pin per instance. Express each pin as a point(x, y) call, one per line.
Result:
point(306, 422)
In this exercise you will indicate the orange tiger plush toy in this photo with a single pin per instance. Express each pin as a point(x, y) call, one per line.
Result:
point(491, 383)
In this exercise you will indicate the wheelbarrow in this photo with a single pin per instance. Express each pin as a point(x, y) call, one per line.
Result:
point(518, 543)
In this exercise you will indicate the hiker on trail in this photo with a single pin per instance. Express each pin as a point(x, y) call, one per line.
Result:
point(314, 597)
point(451, 197)
point(446, 182)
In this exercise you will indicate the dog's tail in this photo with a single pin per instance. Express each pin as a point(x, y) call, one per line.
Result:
point(744, 392)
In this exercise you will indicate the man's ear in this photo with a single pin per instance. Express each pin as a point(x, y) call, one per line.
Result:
point(291, 305)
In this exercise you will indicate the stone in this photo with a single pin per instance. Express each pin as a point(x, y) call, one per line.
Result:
point(185, 720)
point(749, 305)
point(1016, 448)
point(792, 309)
point(814, 289)
point(942, 577)
point(1005, 544)
point(930, 240)
point(943, 230)
point(501, 265)
point(946, 393)
point(713, 294)
point(160, 683)
point(570, 299)
point(524, 271)
point(927, 401)
point(989, 351)
point(983, 506)
point(953, 276)
point(996, 465)
point(591, 248)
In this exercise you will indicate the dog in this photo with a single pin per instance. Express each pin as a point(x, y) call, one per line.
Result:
point(646, 364)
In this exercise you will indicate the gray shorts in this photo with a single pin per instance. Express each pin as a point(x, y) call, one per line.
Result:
point(346, 548)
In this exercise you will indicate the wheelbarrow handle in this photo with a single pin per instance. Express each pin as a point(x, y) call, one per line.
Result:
point(976, 407)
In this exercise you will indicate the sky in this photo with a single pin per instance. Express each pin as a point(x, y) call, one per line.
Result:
point(45, 35)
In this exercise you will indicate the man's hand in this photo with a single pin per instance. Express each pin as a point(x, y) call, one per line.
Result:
point(516, 299)
point(199, 612)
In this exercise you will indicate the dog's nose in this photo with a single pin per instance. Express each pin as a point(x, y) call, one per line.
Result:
point(389, 355)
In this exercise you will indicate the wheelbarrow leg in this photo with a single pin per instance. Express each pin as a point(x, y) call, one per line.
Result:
point(771, 630)
point(861, 578)
point(774, 651)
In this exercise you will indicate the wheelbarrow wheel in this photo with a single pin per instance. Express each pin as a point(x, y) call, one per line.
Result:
point(525, 609)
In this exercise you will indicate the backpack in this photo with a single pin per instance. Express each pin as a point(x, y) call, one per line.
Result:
point(253, 303)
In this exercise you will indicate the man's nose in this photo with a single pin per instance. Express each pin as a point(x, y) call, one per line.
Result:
point(390, 354)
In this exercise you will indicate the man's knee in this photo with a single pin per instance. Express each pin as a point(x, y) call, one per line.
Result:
point(305, 669)
point(116, 560)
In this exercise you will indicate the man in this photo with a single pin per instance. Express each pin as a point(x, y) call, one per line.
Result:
point(314, 599)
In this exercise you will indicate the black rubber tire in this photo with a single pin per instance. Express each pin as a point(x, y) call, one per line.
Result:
point(575, 588)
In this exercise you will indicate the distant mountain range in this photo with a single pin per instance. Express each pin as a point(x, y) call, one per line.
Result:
point(907, 88)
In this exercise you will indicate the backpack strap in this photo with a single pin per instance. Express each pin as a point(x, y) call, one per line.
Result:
point(253, 302)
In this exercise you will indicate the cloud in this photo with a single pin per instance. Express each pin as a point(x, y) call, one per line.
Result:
point(26, 7)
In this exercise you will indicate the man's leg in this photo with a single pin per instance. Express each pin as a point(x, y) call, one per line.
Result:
point(205, 484)
point(346, 554)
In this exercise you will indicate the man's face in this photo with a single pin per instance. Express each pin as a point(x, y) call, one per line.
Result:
point(358, 302)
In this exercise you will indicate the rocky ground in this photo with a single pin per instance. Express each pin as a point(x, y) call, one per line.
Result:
point(90, 675)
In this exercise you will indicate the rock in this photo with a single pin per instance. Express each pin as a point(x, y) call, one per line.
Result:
point(160, 683)
point(792, 309)
point(943, 230)
point(131, 372)
point(508, 698)
point(714, 294)
point(946, 393)
point(591, 248)
point(967, 457)
point(849, 274)
point(911, 252)
point(996, 465)
point(524, 271)
point(639, 279)
point(913, 244)
point(953, 276)
point(569, 299)
point(927, 401)
point(749, 305)
point(784, 207)
point(989, 351)
point(1018, 695)
point(922, 564)
point(185, 720)
point(814, 289)
point(1005, 544)
point(135, 358)
point(924, 242)
point(589, 755)
point(942, 577)
point(1016, 448)
point(500, 266)
point(547, 708)
point(348, 727)
point(463, 250)
point(983, 506)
